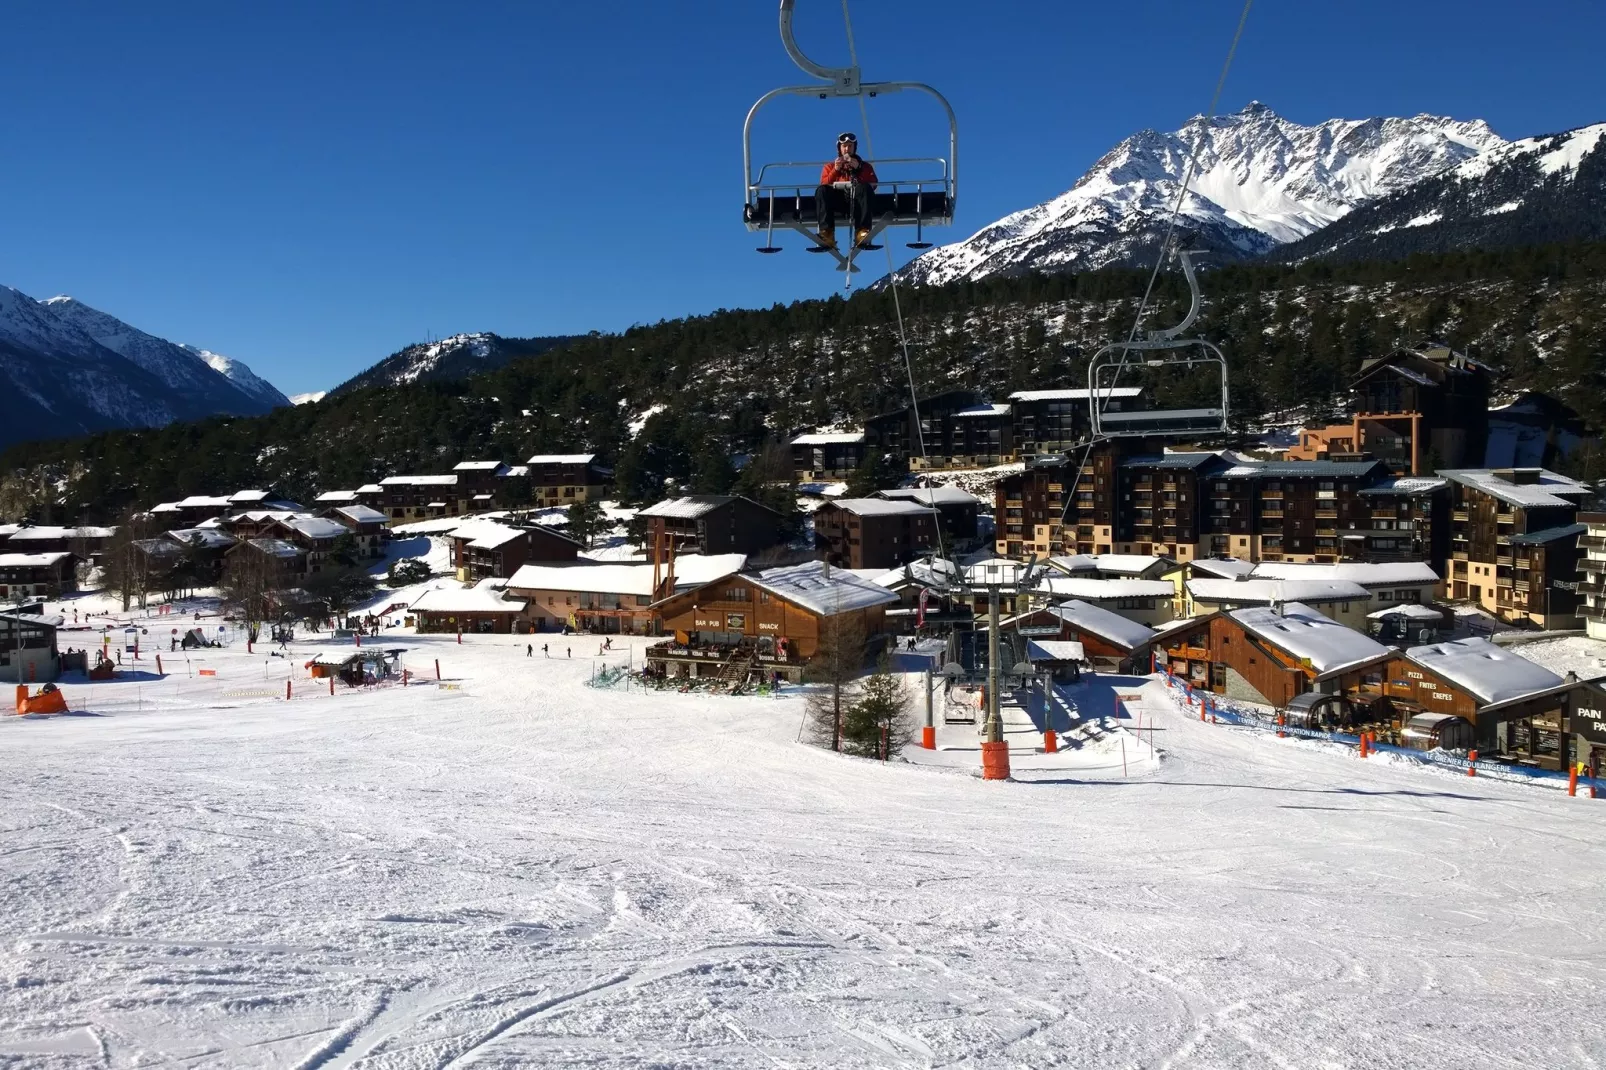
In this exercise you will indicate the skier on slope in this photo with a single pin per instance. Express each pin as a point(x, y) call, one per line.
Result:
point(845, 186)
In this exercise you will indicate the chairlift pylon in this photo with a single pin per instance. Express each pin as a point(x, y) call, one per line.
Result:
point(1166, 348)
point(925, 198)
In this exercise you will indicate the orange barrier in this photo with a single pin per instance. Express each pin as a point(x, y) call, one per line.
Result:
point(995, 761)
point(1472, 763)
point(51, 701)
point(1051, 745)
point(928, 737)
point(206, 672)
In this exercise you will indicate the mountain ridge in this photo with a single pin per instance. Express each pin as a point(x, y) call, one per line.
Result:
point(1262, 181)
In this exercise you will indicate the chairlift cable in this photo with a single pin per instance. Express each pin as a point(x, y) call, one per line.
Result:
point(897, 302)
point(1182, 191)
point(1165, 246)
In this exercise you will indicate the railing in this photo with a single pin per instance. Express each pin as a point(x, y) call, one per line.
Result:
point(1460, 514)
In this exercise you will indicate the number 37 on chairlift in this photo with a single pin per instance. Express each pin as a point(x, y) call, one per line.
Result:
point(904, 192)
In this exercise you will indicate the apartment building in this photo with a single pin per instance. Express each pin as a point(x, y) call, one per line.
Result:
point(873, 532)
point(561, 479)
point(833, 455)
point(1050, 422)
point(1592, 566)
point(1514, 536)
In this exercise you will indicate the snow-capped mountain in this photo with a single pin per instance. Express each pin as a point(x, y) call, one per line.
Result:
point(75, 369)
point(1262, 181)
point(455, 357)
point(311, 397)
point(244, 379)
point(1533, 191)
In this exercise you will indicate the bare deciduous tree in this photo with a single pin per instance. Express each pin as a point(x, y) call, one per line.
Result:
point(836, 665)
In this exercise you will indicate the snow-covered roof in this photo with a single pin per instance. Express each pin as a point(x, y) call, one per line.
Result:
point(1303, 633)
point(484, 597)
point(686, 508)
point(1054, 650)
point(830, 438)
point(1098, 590)
point(199, 501)
point(927, 496)
point(419, 481)
point(1407, 485)
point(243, 497)
point(369, 488)
point(1123, 564)
point(818, 588)
point(1075, 394)
point(561, 458)
point(1096, 620)
point(43, 533)
point(1225, 567)
point(1191, 459)
point(276, 547)
point(361, 514)
point(476, 466)
point(316, 527)
point(336, 496)
point(1076, 563)
point(1408, 610)
point(930, 572)
point(32, 560)
point(1251, 469)
point(982, 410)
point(210, 538)
point(691, 570)
point(1551, 488)
point(48, 620)
point(878, 507)
point(1492, 673)
point(1365, 573)
point(1268, 591)
point(487, 534)
point(260, 516)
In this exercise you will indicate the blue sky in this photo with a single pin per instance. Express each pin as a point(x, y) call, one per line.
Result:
point(309, 187)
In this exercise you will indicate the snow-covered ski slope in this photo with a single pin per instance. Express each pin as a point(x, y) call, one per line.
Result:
point(518, 870)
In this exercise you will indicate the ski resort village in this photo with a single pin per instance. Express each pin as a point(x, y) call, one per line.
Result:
point(1017, 759)
point(1157, 627)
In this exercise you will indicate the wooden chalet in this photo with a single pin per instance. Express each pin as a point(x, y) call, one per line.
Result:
point(1110, 642)
point(1269, 654)
point(609, 599)
point(28, 651)
point(770, 622)
point(366, 526)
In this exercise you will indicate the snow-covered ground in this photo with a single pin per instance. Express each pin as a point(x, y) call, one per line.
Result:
point(515, 869)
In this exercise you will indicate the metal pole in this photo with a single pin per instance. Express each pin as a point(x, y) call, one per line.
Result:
point(930, 723)
point(995, 727)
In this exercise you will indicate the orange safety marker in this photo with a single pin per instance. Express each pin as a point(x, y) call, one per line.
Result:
point(1282, 719)
point(1050, 744)
point(995, 761)
point(437, 668)
point(331, 685)
point(1572, 782)
point(206, 672)
point(1363, 744)
point(1472, 763)
point(159, 671)
point(928, 734)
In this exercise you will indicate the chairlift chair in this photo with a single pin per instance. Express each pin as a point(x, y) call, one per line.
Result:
point(925, 198)
point(1158, 349)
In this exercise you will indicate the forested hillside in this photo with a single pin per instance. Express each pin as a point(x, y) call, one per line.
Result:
point(726, 383)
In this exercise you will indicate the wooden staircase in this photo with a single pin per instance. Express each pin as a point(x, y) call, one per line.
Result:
point(733, 675)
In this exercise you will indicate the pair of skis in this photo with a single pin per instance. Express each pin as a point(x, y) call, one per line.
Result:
point(845, 263)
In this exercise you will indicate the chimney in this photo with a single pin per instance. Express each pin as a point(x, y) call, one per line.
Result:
point(1528, 476)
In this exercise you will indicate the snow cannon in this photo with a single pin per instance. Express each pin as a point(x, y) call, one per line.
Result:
point(48, 700)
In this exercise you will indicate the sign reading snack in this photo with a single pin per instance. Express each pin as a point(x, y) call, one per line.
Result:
point(768, 626)
point(735, 622)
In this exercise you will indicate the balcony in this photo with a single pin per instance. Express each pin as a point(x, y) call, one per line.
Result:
point(1460, 514)
point(1458, 555)
point(1505, 518)
point(1503, 557)
point(1326, 512)
point(1271, 494)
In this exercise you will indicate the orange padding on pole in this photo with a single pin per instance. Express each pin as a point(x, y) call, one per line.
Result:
point(995, 761)
point(1472, 763)
point(1050, 744)
point(928, 737)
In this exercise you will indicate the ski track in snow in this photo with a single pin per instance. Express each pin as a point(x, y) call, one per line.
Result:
point(524, 871)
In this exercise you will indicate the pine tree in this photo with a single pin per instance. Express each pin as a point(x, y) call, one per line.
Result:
point(880, 722)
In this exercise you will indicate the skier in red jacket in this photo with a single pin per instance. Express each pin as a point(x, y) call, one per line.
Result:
point(845, 187)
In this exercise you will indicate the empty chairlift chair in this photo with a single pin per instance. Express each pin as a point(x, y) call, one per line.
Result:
point(1159, 350)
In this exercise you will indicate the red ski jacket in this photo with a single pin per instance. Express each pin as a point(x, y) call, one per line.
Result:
point(832, 172)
